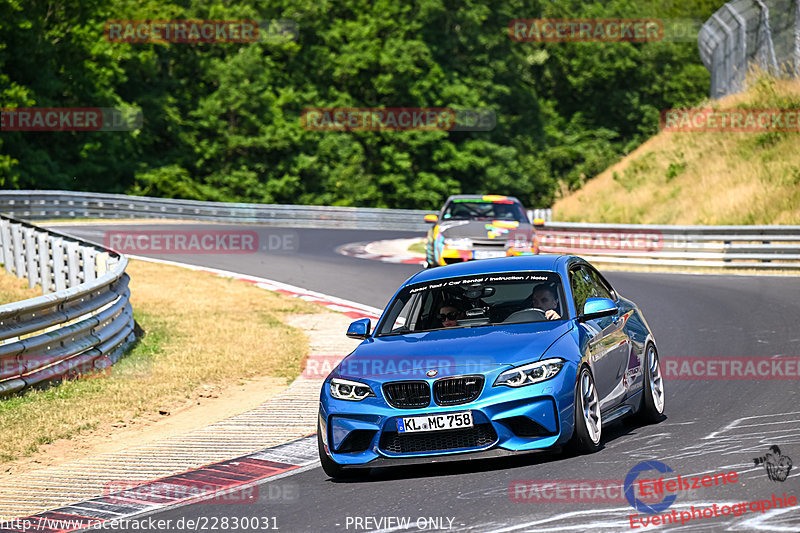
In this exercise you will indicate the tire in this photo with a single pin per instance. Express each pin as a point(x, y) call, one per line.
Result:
point(652, 408)
point(332, 468)
point(588, 430)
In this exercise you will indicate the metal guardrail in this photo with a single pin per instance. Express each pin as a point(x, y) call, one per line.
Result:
point(82, 322)
point(758, 247)
point(44, 205)
point(754, 247)
point(745, 33)
point(41, 205)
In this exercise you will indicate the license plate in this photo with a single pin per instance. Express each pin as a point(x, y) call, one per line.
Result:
point(412, 424)
point(486, 254)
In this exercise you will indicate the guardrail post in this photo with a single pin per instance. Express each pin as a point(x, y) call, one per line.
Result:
point(30, 257)
point(87, 263)
point(45, 272)
point(101, 262)
point(8, 258)
point(59, 275)
point(73, 264)
point(19, 254)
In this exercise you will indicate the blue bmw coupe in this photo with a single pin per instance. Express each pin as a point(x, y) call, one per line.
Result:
point(488, 358)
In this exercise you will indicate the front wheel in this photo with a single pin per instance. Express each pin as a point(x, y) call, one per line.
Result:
point(588, 422)
point(652, 408)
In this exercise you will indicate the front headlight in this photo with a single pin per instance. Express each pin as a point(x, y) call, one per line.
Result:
point(530, 373)
point(461, 243)
point(354, 391)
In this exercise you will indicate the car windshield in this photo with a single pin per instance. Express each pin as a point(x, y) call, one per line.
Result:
point(481, 209)
point(479, 300)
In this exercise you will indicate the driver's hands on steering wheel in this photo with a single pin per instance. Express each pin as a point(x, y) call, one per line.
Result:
point(550, 314)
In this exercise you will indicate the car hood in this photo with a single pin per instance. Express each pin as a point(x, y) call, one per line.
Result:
point(452, 351)
point(482, 229)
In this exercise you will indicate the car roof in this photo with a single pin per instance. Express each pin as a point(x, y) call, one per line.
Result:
point(548, 263)
point(481, 197)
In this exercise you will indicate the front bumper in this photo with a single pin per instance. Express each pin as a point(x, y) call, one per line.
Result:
point(506, 421)
point(449, 255)
point(492, 453)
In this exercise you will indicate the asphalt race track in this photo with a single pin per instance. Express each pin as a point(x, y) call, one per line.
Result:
point(712, 426)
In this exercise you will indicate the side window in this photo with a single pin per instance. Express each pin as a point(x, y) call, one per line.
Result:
point(399, 315)
point(586, 283)
point(426, 313)
point(581, 287)
point(601, 289)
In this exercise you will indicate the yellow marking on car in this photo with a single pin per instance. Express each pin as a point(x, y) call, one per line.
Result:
point(494, 198)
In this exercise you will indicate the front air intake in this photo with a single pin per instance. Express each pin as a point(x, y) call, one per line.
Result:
point(457, 390)
point(407, 394)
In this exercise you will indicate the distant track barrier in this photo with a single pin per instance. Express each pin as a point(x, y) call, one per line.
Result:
point(83, 321)
point(724, 247)
point(40, 205)
point(755, 247)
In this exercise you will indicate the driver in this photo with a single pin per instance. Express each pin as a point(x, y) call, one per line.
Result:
point(449, 315)
point(545, 297)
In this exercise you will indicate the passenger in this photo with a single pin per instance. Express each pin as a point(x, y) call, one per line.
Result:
point(449, 315)
point(545, 297)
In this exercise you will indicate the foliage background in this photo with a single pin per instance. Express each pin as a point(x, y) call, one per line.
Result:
point(221, 121)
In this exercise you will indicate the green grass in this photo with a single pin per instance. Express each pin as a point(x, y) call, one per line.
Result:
point(14, 289)
point(201, 330)
point(417, 247)
point(702, 177)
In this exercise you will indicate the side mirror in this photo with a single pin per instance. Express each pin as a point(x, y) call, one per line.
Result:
point(597, 308)
point(431, 219)
point(359, 329)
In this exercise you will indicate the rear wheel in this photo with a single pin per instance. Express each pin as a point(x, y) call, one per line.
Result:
point(334, 469)
point(588, 422)
point(652, 408)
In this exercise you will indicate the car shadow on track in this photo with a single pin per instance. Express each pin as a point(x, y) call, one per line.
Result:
point(472, 466)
